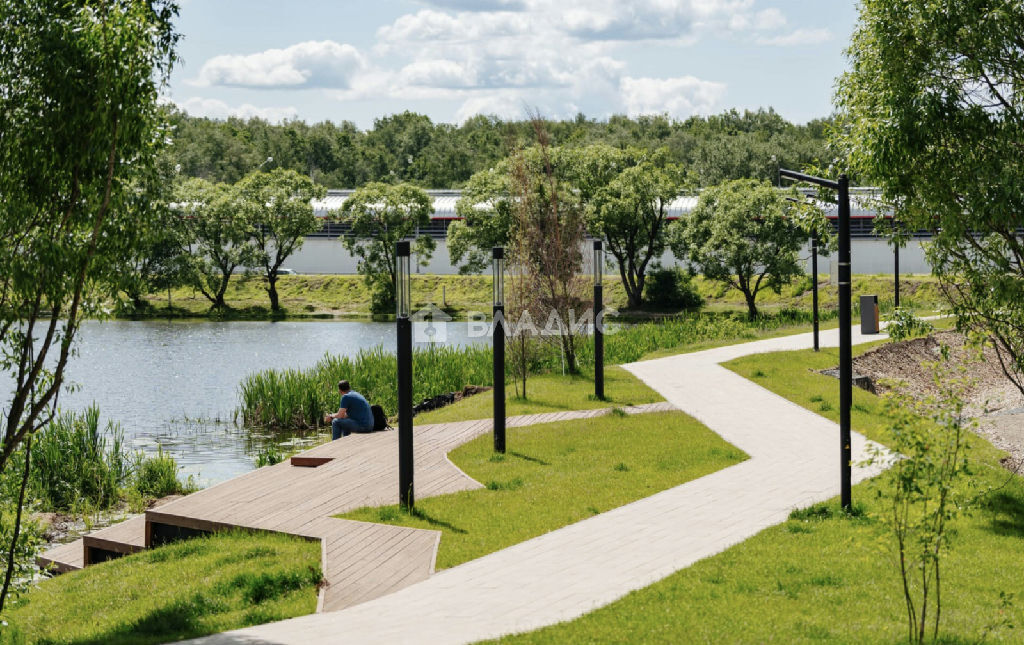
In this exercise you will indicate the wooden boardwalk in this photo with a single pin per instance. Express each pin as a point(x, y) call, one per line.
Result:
point(360, 560)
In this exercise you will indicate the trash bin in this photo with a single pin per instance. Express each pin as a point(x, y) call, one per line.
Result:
point(869, 314)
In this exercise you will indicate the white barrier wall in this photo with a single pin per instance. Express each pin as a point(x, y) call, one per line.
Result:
point(869, 255)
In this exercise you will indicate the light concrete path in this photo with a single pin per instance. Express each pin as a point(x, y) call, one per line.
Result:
point(569, 572)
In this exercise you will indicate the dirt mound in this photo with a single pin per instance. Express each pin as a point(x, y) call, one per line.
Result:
point(993, 399)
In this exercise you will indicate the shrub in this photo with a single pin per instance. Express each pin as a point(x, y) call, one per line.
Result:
point(903, 324)
point(157, 476)
point(671, 288)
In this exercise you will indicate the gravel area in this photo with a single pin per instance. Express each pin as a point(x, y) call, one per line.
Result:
point(993, 400)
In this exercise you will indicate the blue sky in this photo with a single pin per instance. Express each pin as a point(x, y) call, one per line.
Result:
point(450, 59)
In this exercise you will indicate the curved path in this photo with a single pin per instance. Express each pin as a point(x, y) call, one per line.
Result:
point(569, 572)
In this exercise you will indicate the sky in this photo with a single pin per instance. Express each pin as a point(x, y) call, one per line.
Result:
point(318, 60)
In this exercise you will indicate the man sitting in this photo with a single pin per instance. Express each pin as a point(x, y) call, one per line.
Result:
point(353, 413)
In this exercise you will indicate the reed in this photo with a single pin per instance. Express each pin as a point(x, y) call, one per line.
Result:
point(292, 398)
point(75, 463)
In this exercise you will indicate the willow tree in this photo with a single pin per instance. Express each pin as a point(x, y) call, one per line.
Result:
point(280, 212)
point(932, 111)
point(79, 123)
point(379, 215)
point(745, 234)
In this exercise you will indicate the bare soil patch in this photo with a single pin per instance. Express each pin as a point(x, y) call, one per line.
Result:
point(993, 399)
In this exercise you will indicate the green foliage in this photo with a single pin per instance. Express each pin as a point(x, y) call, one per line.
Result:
point(157, 476)
point(937, 125)
point(628, 206)
point(379, 215)
point(268, 456)
point(671, 288)
point(408, 147)
point(183, 590)
point(903, 324)
point(77, 464)
point(280, 214)
point(930, 438)
point(741, 233)
point(79, 131)
point(217, 236)
point(557, 474)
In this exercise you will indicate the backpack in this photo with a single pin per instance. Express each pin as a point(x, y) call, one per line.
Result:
point(380, 420)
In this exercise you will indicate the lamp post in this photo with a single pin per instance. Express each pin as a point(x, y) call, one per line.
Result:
point(598, 320)
point(896, 263)
point(814, 283)
point(404, 355)
point(842, 188)
point(498, 255)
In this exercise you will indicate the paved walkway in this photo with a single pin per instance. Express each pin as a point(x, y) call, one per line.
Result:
point(569, 572)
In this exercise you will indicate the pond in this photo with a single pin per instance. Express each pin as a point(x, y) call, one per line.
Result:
point(175, 384)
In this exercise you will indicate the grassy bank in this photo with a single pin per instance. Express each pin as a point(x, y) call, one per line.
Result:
point(329, 296)
point(556, 474)
point(823, 576)
point(188, 589)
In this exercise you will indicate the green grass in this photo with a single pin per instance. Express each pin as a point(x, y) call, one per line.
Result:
point(191, 588)
point(347, 295)
point(556, 474)
point(550, 393)
point(822, 576)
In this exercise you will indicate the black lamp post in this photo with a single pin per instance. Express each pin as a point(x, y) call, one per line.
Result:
point(404, 355)
point(814, 285)
point(498, 254)
point(842, 188)
point(896, 263)
point(598, 320)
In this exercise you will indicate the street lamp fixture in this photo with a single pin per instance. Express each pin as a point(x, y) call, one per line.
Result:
point(599, 320)
point(498, 282)
point(404, 356)
point(842, 188)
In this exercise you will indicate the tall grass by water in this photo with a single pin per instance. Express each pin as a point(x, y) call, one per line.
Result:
point(79, 465)
point(294, 398)
point(298, 398)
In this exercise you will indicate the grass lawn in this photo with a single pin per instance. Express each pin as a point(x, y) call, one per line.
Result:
point(188, 589)
point(550, 393)
point(347, 295)
point(823, 576)
point(555, 474)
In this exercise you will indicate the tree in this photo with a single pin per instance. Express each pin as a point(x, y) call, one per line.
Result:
point(548, 230)
point(156, 261)
point(379, 215)
point(217, 236)
point(280, 211)
point(79, 122)
point(486, 208)
point(630, 208)
point(743, 233)
point(931, 111)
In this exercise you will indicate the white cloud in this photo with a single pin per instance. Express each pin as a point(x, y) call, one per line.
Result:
point(309, 64)
point(480, 5)
point(798, 37)
point(679, 97)
point(217, 109)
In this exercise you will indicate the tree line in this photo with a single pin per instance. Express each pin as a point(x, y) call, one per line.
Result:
point(410, 147)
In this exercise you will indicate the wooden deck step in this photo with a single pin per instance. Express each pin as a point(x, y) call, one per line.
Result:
point(64, 557)
point(115, 541)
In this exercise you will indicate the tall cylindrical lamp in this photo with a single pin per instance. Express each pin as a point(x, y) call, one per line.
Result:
point(599, 320)
point(498, 255)
point(404, 355)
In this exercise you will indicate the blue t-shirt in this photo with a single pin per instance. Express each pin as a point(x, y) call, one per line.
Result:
point(357, 409)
